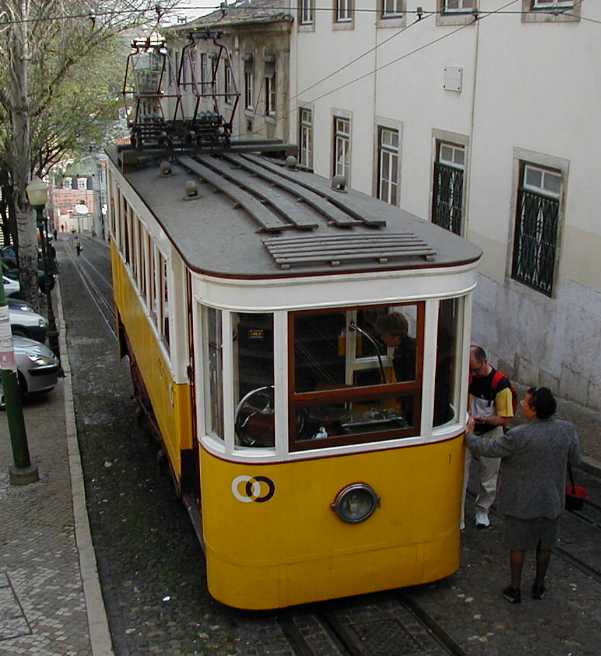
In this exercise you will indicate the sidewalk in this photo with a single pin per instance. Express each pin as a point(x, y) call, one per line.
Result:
point(50, 598)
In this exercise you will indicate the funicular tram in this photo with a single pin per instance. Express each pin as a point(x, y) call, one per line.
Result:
point(303, 351)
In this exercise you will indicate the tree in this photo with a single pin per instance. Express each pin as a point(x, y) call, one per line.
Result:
point(41, 47)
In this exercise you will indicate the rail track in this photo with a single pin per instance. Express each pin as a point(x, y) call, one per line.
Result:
point(96, 284)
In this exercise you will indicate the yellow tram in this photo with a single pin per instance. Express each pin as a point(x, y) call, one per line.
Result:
point(303, 351)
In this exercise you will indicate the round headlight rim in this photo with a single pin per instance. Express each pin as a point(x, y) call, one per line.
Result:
point(336, 505)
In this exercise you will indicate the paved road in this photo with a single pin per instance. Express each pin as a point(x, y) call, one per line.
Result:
point(152, 569)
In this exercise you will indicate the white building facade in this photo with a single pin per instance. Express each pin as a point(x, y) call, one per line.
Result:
point(480, 115)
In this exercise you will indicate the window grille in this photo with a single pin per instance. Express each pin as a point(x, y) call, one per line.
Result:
point(536, 228)
point(447, 201)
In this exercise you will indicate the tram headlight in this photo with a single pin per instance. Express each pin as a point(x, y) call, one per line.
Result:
point(355, 503)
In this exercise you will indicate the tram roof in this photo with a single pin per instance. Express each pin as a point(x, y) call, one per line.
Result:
point(255, 218)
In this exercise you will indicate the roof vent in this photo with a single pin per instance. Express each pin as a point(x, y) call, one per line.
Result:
point(339, 183)
point(191, 189)
point(291, 162)
point(165, 168)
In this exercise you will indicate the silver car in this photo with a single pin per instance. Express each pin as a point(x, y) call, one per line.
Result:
point(26, 322)
point(37, 367)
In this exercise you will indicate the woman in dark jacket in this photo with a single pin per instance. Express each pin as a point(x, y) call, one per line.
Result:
point(532, 480)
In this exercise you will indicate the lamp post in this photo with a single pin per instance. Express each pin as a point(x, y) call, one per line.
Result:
point(37, 193)
point(22, 472)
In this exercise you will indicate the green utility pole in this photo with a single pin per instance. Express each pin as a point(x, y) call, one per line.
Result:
point(22, 472)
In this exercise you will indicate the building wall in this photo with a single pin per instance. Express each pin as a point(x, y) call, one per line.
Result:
point(528, 93)
point(263, 42)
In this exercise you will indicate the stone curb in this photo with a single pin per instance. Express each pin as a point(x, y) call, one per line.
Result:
point(100, 637)
point(591, 466)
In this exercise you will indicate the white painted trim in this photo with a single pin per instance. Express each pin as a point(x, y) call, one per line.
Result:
point(267, 456)
point(429, 367)
point(280, 380)
point(228, 388)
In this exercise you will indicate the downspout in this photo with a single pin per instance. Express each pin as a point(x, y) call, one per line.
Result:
point(472, 122)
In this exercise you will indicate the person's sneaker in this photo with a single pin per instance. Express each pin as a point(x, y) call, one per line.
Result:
point(512, 595)
point(538, 591)
point(482, 520)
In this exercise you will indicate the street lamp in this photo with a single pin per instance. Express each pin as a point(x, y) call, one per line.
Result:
point(37, 193)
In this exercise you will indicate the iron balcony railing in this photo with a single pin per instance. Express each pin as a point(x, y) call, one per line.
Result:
point(447, 206)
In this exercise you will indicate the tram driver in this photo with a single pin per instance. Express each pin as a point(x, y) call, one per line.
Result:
point(394, 332)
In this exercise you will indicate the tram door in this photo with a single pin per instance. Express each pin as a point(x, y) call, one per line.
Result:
point(193, 485)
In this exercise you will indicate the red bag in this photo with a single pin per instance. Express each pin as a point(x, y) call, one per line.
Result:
point(575, 494)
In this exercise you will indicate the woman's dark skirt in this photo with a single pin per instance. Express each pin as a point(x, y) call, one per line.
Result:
point(527, 534)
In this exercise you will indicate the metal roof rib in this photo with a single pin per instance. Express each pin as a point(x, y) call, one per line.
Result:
point(287, 252)
point(293, 213)
point(265, 217)
point(332, 214)
point(334, 197)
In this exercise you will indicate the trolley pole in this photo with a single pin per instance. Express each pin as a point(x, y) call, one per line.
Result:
point(22, 472)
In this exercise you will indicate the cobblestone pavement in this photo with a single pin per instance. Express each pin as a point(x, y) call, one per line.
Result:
point(42, 604)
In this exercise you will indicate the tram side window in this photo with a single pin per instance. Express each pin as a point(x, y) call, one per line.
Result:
point(156, 286)
point(357, 374)
point(142, 251)
point(163, 300)
point(135, 226)
point(125, 230)
point(253, 379)
point(448, 366)
point(213, 349)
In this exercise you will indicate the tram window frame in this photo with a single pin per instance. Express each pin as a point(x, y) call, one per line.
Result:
point(356, 392)
point(141, 250)
point(126, 231)
point(214, 398)
point(135, 230)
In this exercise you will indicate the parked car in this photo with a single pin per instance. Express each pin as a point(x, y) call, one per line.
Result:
point(37, 367)
point(10, 286)
point(26, 322)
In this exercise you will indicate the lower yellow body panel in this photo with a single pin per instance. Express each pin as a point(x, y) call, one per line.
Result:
point(293, 549)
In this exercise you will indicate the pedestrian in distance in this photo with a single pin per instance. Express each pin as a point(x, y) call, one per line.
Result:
point(491, 407)
point(532, 483)
point(77, 246)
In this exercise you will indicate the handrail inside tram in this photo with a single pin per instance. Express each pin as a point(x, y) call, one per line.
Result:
point(355, 328)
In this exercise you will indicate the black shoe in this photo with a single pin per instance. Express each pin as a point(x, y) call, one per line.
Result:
point(512, 595)
point(538, 591)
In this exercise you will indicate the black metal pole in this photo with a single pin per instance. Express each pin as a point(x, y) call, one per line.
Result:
point(52, 331)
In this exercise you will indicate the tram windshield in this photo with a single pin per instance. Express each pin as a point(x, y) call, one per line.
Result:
point(356, 374)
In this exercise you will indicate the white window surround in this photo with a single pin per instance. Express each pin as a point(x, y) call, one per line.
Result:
point(281, 451)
